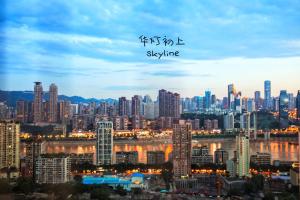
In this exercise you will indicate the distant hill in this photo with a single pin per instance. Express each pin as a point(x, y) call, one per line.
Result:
point(10, 97)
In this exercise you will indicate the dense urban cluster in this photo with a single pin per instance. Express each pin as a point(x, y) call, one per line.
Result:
point(190, 171)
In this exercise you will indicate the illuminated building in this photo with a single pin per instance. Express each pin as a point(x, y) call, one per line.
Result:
point(200, 156)
point(182, 141)
point(53, 103)
point(9, 145)
point(127, 157)
point(261, 158)
point(243, 155)
point(104, 142)
point(53, 169)
point(38, 102)
point(33, 150)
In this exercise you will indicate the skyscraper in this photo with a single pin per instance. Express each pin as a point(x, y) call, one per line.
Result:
point(169, 104)
point(267, 100)
point(283, 109)
point(104, 143)
point(122, 106)
point(257, 99)
point(33, 150)
point(298, 104)
point(38, 102)
point(243, 155)
point(136, 105)
point(182, 144)
point(231, 96)
point(9, 144)
point(207, 99)
point(22, 111)
point(53, 103)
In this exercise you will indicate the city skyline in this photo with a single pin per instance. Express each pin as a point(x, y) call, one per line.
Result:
point(100, 55)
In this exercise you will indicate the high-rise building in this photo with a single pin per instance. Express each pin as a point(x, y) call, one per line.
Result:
point(261, 158)
point(33, 150)
point(182, 146)
point(298, 104)
point(169, 104)
point(53, 169)
point(221, 156)
point(122, 106)
point(22, 110)
point(64, 111)
point(258, 100)
point(104, 143)
point(267, 100)
point(283, 109)
point(243, 155)
point(207, 99)
point(53, 103)
point(38, 102)
point(9, 144)
point(135, 105)
point(229, 121)
point(231, 96)
point(291, 101)
point(155, 157)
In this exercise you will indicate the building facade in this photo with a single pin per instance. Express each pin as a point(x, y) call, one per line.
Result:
point(104, 142)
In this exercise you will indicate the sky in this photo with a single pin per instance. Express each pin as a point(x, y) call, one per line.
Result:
point(91, 48)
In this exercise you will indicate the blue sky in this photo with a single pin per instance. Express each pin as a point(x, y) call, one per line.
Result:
point(91, 47)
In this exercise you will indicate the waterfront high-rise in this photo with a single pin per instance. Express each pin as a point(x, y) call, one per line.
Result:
point(267, 100)
point(53, 103)
point(243, 155)
point(53, 169)
point(9, 144)
point(38, 102)
point(283, 109)
point(169, 104)
point(104, 143)
point(182, 146)
point(298, 104)
point(33, 150)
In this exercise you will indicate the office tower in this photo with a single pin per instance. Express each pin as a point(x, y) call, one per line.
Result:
point(104, 143)
point(53, 169)
point(207, 99)
point(225, 103)
point(127, 157)
point(33, 150)
point(155, 157)
point(122, 106)
point(291, 101)
point(53, 103)
point(257, 100)
point(267, 100)
point(298, 104)
point(9, 144)
point(231, 96)
point(213, 99)
point(283, 109)
point(229, 121)
point(135, 105)
point(22, 111)
point(221, 156)
point(238, 102)
point(169, 104)
point(182, 146)
point(38, 102)
point(243, 155)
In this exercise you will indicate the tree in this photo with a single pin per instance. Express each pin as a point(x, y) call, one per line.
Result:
point(5, 188)
point(24, 185)
point(100, 193)
point(120, 190)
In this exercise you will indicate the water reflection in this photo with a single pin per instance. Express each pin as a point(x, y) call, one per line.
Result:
point(280, 149)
